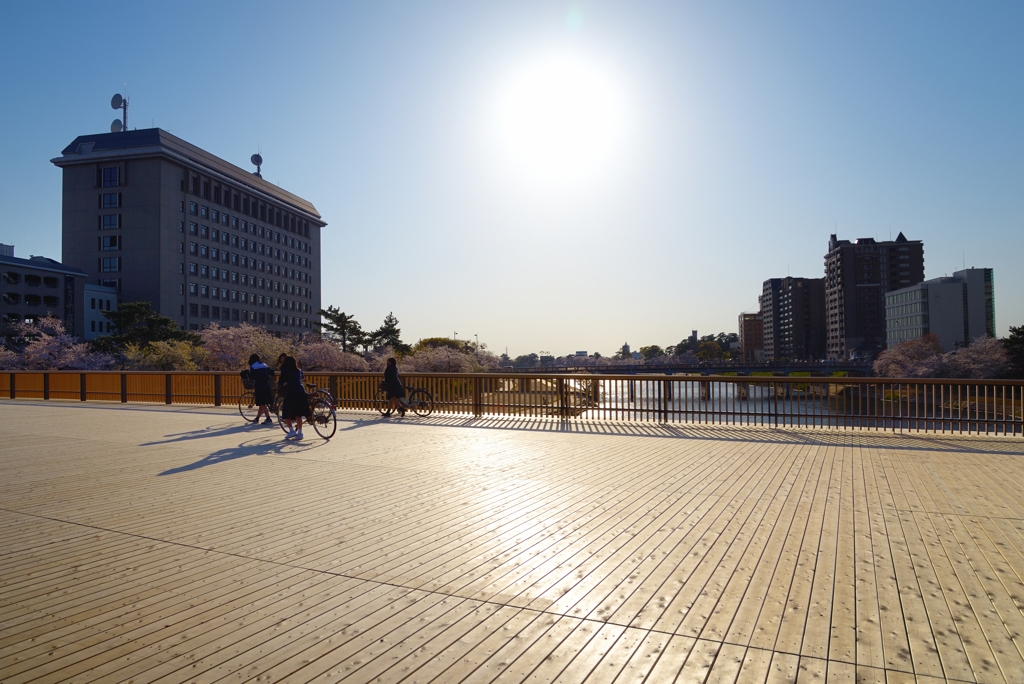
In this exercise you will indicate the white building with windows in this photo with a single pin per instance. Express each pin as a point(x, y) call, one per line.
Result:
point(96, 300)
point(957, 309)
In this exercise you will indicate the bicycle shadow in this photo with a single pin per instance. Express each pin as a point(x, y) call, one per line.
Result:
point(206, 432)
point(275, 447)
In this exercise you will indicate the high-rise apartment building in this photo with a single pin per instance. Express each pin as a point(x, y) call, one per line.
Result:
point(801, 319)
point(200, 239)
point(957, 310)
point(793, 318)
point(858, 274)
point(751, 329)
point(769, 302)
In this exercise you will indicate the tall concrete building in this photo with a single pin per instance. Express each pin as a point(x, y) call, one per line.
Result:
point(801, 319)
point(751, 333)
point(793, 318)
point(200, 239)
point(957, 310)
point(769, 302)
point(858, 274)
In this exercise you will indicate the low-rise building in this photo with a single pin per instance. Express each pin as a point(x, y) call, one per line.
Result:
point(97, 299)
point(957, 309)
point(35, 287)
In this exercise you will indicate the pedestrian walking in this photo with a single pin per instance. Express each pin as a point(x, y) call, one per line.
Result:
point(263, 391)
point(295, 406)
point(394, 388)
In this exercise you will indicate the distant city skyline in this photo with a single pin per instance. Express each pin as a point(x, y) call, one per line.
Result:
point(558, 176)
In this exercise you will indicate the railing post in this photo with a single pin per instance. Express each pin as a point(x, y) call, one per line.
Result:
point(216, 389)
point(124, 388)
point(563, 407)
point(46, 385)
point(82, 386)
point(477, 398)
point(168, 387)
point(334, 385)
point(666, 392)
point(14, 394)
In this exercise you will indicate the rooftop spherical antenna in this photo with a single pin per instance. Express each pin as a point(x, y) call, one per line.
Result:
point(116, 101)
point(115, 126)
point(257, 161)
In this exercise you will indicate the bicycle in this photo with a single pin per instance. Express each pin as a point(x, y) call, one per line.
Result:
point(321, 411)
point(419, 401)
point(247, 405)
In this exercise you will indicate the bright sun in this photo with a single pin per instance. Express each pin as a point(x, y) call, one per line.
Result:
point(559, 120)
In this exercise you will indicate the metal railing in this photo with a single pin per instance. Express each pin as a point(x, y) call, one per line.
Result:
point(992, 407)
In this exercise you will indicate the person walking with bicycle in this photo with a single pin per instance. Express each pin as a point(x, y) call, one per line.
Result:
point(296, 403)
point(263, 391)
point(393, 387)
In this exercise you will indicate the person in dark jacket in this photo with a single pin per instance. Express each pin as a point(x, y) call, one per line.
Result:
point(393, 387)
point(263, 391)
point(295, 405)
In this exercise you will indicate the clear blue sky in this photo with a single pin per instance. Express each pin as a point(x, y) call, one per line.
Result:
point(712, 145)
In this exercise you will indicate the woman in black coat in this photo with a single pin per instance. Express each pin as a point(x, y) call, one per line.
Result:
point(296, 404)
point(263, 392)
point(393, 387)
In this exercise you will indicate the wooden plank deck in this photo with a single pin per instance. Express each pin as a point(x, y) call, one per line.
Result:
point(147, 543)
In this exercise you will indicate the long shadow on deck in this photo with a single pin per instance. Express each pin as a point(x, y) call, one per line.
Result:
point(276, 447)
point(948, 443)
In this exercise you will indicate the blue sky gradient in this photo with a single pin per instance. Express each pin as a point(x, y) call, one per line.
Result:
point(753, 131)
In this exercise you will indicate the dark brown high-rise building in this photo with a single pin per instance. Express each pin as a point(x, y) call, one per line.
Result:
point(769, 302)
point(751, 336)
point(793, 318)
point(857, 276)
point(801, 317)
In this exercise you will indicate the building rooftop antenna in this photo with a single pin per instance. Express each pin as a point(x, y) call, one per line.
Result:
point(257, 161)
point(118, 102)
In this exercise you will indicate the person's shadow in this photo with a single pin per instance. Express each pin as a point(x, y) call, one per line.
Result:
point(252, 448)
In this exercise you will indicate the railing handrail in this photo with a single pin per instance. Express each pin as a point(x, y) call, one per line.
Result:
point(596, 376)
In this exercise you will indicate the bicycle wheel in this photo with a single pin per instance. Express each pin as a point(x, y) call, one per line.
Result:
point(323, 418)
point(247, 406)
point(276, 408)
point(421, 403)
point(380, 402)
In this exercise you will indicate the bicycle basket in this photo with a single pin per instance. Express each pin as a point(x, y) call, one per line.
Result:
point(247, 382)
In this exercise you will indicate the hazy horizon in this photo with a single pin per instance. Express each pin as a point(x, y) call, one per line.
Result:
point(558, 176)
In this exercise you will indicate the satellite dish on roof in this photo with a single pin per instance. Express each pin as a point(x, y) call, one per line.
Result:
point(118, 102)
point(257, 161)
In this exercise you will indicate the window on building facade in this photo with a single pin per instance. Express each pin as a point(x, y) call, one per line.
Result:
point(111, 177)
point(204, 270)
point(111, 200)
point(51, 281)
point(33, 280)
point(12, 278)
point(110, 221)
point(51, 301)
point(204, 311)
point(110, 264)
point(215, 235)
point(11, 298)
point(109, 243)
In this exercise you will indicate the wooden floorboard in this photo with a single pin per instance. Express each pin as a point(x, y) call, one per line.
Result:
point(169, 544)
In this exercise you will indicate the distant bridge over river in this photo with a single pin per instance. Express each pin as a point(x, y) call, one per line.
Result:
point(816, 369)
